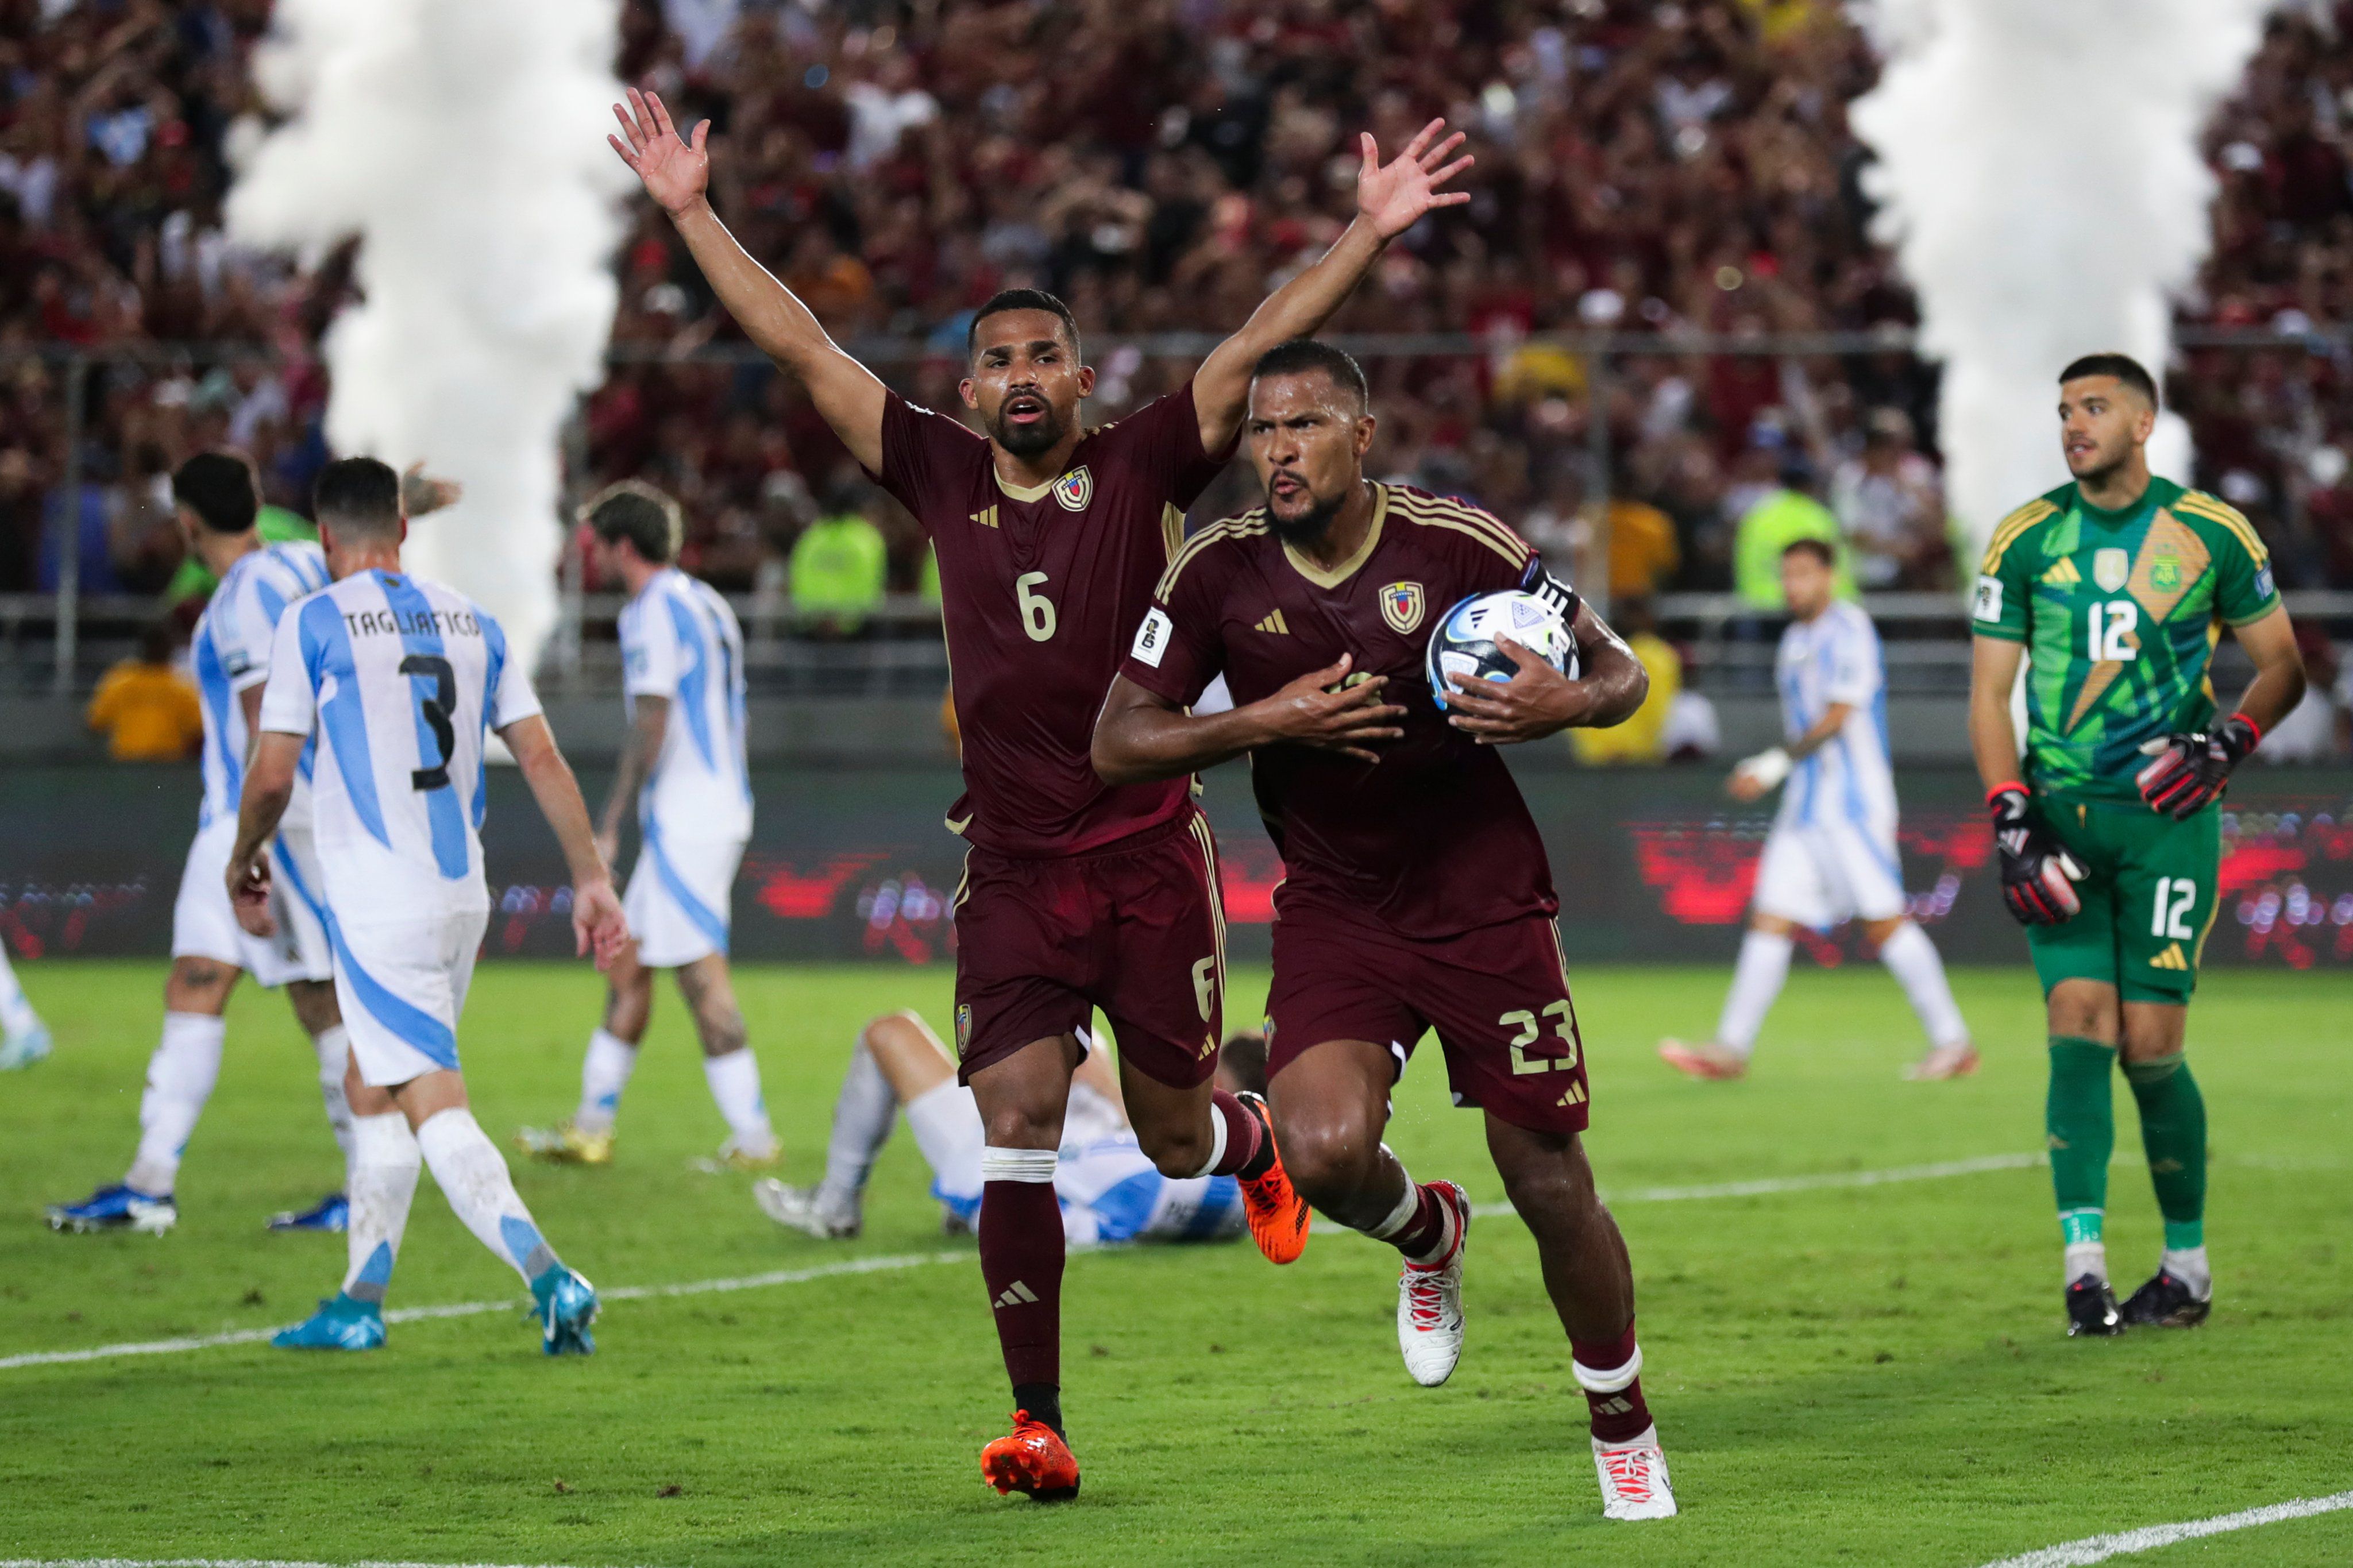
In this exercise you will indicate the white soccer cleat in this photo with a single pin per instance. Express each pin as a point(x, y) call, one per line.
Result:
point(1429, 1302)
point(802, 1209)
point(1943, 1062)
point(1634, 1477)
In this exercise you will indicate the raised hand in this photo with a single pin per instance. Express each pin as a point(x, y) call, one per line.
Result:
point(1393, 195)
point(675, 171)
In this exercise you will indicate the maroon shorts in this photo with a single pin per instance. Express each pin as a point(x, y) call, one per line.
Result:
point(1498, 998)
point(1136, 927)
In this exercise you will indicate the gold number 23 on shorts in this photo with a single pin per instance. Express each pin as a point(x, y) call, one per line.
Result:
point(1529, 1029)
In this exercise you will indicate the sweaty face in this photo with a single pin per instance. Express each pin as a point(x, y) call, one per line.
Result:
point(1805, 584)
point(1026, 382)
point(1307, 437)
point(2101, 422)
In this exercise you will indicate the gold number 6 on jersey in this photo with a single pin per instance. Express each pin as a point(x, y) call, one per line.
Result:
point(1037, 610)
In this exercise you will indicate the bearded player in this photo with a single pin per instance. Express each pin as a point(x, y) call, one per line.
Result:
point(1076, 896)
point(2119, 584)
point(1416, 893)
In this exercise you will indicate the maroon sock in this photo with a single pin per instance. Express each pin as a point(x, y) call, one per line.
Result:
point(1619, 1415)
point(1021, 1258)
point(1247, 1145)
point(1425, 1233)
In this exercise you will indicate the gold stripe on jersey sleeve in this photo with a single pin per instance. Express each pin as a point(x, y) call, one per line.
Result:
point(2198, 503)
point(1243, 527)
point(1172, 531)
point(1483, 526)
point(2007, 532)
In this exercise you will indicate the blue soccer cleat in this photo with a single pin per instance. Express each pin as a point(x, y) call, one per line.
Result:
point(341, 1324)
point(116, 1208)
point(332, 1213)
point(565, 1304)
point(23, 1050)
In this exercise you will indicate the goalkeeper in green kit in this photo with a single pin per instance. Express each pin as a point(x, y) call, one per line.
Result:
point(2116, 588)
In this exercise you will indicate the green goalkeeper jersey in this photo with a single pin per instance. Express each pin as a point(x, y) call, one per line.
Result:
point(2119, 612)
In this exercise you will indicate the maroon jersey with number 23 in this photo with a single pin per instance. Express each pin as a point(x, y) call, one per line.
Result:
point(1431, 840)
point(1039, 589)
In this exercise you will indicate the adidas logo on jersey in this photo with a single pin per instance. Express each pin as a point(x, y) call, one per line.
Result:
point(985, 517)
point(2171, 958)
point(2063, 574)
point(1016, 1295)
point(1273, 623)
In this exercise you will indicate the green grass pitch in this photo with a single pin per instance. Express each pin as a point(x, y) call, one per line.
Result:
point(1865, 1374)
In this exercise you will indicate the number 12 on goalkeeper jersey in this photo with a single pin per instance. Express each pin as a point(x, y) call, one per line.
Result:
point(400, 678)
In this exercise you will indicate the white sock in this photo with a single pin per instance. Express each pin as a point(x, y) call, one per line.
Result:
point(1402, 1215)
point(2087, 1258)
point(16, 1014)
point(1755, 981)
point(383, 1179)
point(2188, 1264)
point(1912, 958)
point(861, 1125)
point(734, 1080)
point(604, 1074)
point(334, 1049)
point(472, 1175)
point(945, 1120)
point(180, 1079)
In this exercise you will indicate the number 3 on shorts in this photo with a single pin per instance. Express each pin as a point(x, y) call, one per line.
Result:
point(1525, 1022)
point(2175, 896)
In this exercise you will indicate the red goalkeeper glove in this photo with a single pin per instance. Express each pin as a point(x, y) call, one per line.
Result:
point(2193, 769)
point(2038, 876)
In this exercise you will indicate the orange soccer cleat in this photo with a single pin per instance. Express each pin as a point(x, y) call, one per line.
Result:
point(1279, 1216)
point(1032, 1458)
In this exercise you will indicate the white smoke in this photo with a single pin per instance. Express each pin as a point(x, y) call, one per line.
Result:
point(463, 141)
point(2039, 179)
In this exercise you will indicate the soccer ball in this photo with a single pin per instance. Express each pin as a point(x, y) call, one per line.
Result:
point(1464, 642)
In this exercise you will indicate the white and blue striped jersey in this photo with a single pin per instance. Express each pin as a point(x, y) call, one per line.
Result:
point(230, 653)
point(1833, 659)
point(680, 641)
point(397, 677)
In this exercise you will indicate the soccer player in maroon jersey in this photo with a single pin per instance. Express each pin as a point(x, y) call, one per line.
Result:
point(1076, 895)
point(1416, 893)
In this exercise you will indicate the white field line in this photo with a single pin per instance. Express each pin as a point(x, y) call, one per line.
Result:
point(1760, 1188)
point(2100, 1548)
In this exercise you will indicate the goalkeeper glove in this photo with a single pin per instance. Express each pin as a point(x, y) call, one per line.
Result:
point(2038, 876)
point(2193, 769)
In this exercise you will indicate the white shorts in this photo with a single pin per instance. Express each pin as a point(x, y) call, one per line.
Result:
point(204, 923)
point(402, 984)
point(1820, 875)
point(679, 897)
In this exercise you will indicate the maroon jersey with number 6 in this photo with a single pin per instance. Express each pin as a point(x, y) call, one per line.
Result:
point(1431, 840)
point(1039, 590)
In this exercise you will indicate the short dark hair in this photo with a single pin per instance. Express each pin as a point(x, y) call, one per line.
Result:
point(1244, 1056)
point(358, 493)
point(1301, 355)
point(218, 488)
point(634, 510)
point(2124, 367)
point(1821, 549)
point(1006, 300)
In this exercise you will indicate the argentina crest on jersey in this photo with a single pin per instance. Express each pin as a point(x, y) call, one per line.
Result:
point(1075, 488)
point(1401, 605)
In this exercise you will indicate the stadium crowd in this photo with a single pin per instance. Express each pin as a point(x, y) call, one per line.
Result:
point(1643, 167)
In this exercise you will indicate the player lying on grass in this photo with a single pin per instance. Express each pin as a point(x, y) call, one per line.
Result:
point(1416, 892)
point(1077, 895)
point(2119, 584)
point(1832, 854)
point(683, 680)
point(399, 679)
point(1108, 1188)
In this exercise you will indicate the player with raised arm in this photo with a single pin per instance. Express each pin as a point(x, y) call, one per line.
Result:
point(2118, 584)
point(1107, 1186)
point(1076, 895)
point(1832, 854)
point(1416, 893)
point(399, 679)
point(683, 769)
